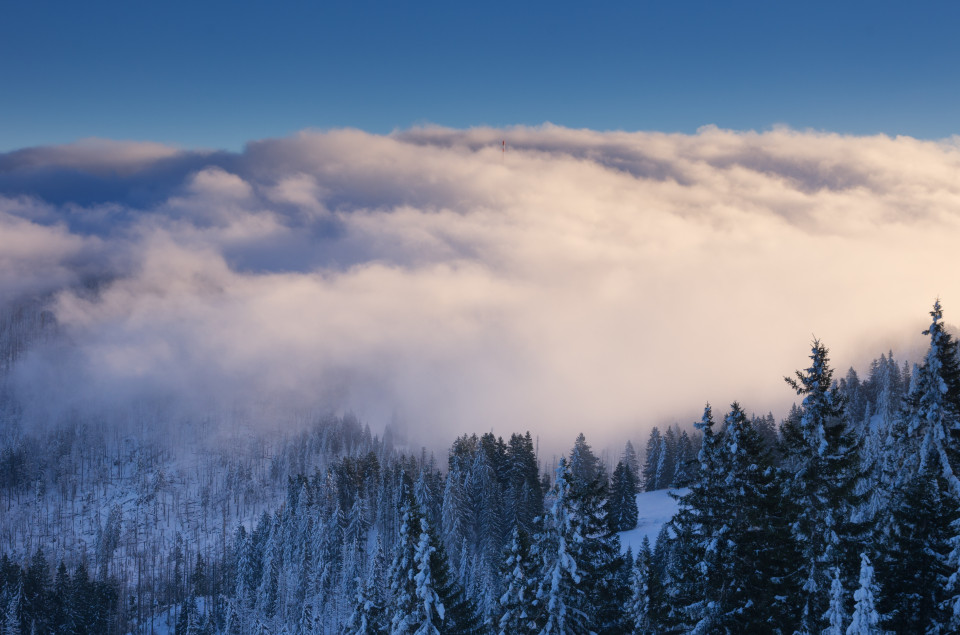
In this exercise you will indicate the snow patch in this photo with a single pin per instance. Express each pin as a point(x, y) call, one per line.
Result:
point(655, 509)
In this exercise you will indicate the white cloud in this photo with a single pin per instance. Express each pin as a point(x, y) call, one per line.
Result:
point(581, 281)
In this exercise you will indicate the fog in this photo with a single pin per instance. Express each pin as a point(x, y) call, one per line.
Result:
point(579, 281)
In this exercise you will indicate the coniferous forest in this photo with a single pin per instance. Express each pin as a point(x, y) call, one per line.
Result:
point(844, 517)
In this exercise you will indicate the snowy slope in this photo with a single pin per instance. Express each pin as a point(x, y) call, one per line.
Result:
point(655, 510)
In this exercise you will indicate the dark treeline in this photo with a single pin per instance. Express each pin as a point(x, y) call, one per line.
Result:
point(845, 518)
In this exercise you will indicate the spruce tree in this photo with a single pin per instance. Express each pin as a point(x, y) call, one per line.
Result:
point(652, 461)
point(633, 462)
point(823, 457)
point(623, 503)
point(426, 598)
point(934, 417)
point(696, 527)
point(559, 576)
point(753, 563)
point(865, 619)
point(913, 560)
point(518, 612)
point(835, 616)
point(639, 608)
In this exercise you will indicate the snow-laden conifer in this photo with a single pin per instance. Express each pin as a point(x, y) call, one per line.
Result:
point(865, 619)
point(639, 609)
point(822, 455)
point(430, 609)
point(835, 617)
point(11, 618)
point(623, 512)
point(562, 537)
point(517, 602)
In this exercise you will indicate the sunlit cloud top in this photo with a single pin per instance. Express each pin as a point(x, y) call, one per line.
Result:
point(578, 280)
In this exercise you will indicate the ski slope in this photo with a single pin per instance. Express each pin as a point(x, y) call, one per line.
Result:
point(655, 510)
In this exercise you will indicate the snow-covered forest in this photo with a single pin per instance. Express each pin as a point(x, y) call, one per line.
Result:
point(844, 517)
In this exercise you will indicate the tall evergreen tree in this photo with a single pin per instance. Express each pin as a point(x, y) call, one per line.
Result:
point(697, 526)
point(584, 464)
point(623, 503)
point(865, 619)
point(633, 462)
point(653, 461)
point(559, 577)
point(823, 457)
point(836, 616)
point(426, 598)
point(914, 556)
point(518, 603)
point(639, 607)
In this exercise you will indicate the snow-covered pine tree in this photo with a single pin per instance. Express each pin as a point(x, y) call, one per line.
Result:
point(652, 460)
point(639, 608)
point(584, 464)
point(426, 598)
point(605, 573)
point(266, 598)
point(660, 613)
point(753, 563)
point(559, 544)
point(623, 512)
point(524, 482)
point(823, 457)
point(11, 616)
point(933, 404)
point(835, 616)
point(367, 617)
point(518, 614)
point(668, 458)
point(633, 462)
point(913, 559)
point(685, 462)
point(696, 528)
point(454, 514)
point(865, 619)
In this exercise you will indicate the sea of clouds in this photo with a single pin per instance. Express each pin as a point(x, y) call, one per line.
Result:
point(581, 280)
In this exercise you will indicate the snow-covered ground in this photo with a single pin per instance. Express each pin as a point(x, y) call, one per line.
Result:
point(655, 510)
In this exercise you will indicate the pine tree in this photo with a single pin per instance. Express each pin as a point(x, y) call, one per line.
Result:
point(639, 608)
point(697, 525)
point(60, 601)
point(369, 612)
point(652, 461)
point(623, 504)
point(631, 460)
point(865, 619)
point(559, 591)
point(823, 457)
point(11, 619)
point(753, 562)
point(684, 463)
point(933, 408)
point(584, 464)
point(523, 478)
point(426, 598)
point(518, 613)
point(605, 574)
point(835, 615)
point(429, 607)
point(660, 583)
point(913, 562)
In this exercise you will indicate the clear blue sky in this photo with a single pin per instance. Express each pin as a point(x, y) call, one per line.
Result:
point(216, 74)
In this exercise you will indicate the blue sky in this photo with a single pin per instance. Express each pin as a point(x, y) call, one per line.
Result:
point(217, 74)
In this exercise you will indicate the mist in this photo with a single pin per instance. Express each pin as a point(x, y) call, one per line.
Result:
point(579, 280)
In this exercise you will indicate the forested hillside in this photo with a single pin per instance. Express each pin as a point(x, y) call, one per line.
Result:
point(844, 517)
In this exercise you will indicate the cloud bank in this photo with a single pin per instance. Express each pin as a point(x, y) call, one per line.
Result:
point(597, 281)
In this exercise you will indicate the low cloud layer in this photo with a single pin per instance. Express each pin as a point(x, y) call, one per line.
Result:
point(579, 281)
